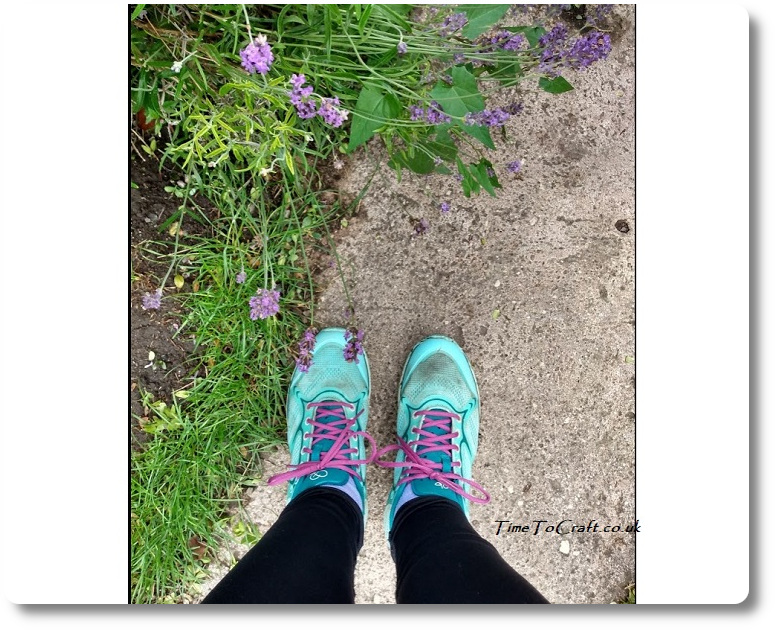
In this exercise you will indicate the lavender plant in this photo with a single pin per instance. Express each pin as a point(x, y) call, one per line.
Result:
point(247, 101)
point(312, 79)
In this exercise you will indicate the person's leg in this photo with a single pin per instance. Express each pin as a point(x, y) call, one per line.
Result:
point(441, 559)
point(307, 556)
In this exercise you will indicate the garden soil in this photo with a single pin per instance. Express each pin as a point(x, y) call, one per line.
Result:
point(157, 356)
point(537, 285)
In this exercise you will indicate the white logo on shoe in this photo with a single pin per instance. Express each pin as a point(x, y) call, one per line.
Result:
point(321, 474)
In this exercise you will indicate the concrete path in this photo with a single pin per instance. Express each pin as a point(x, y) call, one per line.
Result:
point(537, 286)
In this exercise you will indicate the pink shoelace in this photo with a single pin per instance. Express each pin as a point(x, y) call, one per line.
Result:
point(419, 467)
point(339, 430)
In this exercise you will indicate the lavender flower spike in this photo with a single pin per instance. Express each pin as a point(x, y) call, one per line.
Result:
point(333, 115)
point(306, 346)
point(152, 300)
point(257, 56)
point(300, 97)
point(354, 345)
point(264, 304)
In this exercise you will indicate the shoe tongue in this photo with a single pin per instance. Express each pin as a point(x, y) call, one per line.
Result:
point(442, 457)
point(323, 445)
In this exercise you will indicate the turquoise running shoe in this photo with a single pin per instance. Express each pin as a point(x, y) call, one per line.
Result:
point(438, 428)
point(327, 413)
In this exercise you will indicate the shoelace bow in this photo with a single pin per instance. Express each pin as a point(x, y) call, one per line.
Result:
point(338, 430)
point(419, 467)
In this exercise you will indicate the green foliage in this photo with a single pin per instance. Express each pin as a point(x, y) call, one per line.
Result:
point(373, 110)
point(481, 17)
point(629, 598)
point(217, 113)
point(558, 85)
point(243, 150)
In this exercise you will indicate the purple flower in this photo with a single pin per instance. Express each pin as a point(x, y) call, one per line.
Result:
point(264, 304)
point(459, 177)
point(435, 115)
point(257, 56)
point(332, 114)
point(447, 78)
point(306, 346)
point(300, 97)
point(354, 345)
point(401, 48)
point(587, 49)
point(437, 160)
point(416, 112)
point(500, 38)
point(458, 58)
point(558, 52)
point(490, 172)
point(241, 277)
point(488, 117)
point(554, 44)
point(453, 23)
point(445, 207)
point(514, 42)
point(152, 300)
point(513, 167)
point(422, 226)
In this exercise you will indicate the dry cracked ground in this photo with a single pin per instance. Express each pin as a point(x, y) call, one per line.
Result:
point(537, 285)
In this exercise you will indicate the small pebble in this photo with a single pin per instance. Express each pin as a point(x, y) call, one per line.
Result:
point(565, 547)
point(510, 489)
point(497, 283)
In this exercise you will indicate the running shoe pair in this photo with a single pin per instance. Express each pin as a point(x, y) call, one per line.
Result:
point(438, 425)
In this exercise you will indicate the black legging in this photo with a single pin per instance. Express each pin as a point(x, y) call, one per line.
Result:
point(309, 554)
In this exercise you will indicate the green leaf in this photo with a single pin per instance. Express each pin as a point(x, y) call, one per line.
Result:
point(462, 96)
point(443, 145)
point(507, 73)
point(557, 85)
point(482, 134)
point(479, 171)
point(419, 162)
point(138, 9)
point(481, 17)
point(367, 8)
point(469, 183)
point(373, 109)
